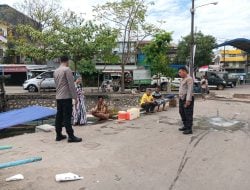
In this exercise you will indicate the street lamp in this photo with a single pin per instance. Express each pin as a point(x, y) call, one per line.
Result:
point(192, 51)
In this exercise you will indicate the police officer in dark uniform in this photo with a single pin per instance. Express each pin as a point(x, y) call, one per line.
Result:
point(186, 100)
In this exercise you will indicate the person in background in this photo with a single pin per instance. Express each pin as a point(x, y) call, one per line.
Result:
point(241, 79)
point(147, 101)
point(79, 110)
point(101, 109)
point(204, 87)
point(65, 92)
point(158, 98)
point(186, 101)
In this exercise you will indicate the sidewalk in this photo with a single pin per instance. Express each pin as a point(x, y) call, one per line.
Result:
point(241, 93)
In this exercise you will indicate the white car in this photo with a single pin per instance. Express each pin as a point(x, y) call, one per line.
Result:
point(43, 81)
point(176, 83)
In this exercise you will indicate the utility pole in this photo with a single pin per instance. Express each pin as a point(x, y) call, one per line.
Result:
point(191, 65)
point(192, 45)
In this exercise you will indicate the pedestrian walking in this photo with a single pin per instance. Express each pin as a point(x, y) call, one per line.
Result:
point(204, 87)
point(186, 101)
point(79, 110)
point(65, 92)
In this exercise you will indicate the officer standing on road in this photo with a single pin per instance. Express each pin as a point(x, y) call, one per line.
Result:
point(65, 92)
point(186, 101)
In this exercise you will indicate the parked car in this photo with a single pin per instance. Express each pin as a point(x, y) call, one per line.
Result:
point(175, 83)
point(160, 81)
point(42, 81)
point(231, 82)
point(214, 80)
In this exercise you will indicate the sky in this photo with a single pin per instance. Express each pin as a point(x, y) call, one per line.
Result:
point(227, 20)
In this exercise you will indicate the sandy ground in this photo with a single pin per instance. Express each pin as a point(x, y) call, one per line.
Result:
point(145, 154)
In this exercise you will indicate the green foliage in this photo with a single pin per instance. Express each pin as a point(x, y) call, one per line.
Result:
point(88, 42)
point(128, 17)
point(10, 52)
point(156, 53)
point(45, 12)
point(67, 34)
point(86, 67)
point(35, 44)
point(204, 47)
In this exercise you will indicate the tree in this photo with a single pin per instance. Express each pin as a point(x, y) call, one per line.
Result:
point(87, 42)
point(204, 47)
point(36, 44)
point(10, 50)
point(69, 34)
point(45, 12)
point(156, 54)
point(128, 17)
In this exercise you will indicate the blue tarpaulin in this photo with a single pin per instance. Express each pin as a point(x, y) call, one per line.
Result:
point(24, 115)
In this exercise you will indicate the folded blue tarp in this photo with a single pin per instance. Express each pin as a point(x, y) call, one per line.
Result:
point(24, 115)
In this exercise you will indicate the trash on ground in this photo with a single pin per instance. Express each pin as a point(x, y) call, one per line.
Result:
point(67, 177)
point(15, 177)
point(45, 128)
point(19, 162)
point(5, 147)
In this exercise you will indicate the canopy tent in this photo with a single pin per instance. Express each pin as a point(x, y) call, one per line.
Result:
point(24, 115)
point(240, 43)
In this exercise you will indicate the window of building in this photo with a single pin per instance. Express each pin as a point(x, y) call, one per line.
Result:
point(3, 32)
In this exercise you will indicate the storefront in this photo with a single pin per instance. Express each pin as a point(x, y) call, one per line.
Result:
point(18, 74)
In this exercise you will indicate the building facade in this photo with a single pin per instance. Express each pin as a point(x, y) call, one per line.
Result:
point(9, 19)
point(130, 53)
point(136, 58)
point(3, 39)
point(235, 61)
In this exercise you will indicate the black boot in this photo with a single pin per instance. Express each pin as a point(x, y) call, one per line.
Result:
point(60, 137)
point(188, 131)
point(74, 139)
point(182, 129)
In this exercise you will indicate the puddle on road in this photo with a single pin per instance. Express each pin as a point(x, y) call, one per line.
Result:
point(218, 123)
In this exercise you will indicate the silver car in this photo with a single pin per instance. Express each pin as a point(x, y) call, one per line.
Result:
point(43, 81)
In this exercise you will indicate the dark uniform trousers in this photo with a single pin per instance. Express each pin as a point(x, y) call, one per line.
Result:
point(63, 116)
point(186, 113)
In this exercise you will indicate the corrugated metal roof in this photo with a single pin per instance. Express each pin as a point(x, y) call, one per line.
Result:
point(240, 43)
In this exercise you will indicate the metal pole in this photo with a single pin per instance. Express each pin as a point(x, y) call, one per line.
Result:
point(191, 66)
point(224, 57)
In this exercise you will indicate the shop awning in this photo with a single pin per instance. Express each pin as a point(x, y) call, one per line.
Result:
point(14, 69)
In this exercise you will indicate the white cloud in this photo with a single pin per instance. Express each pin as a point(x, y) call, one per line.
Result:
point(229, 19)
